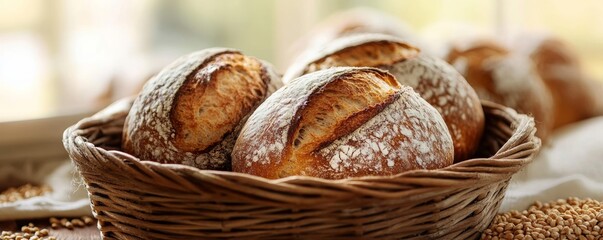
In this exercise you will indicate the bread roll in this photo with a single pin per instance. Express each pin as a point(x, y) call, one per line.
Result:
point(191, 112)
point(560, 69)
point(339, 123)
point(354, 21)
point(442, 35)
point(595, 90)
point(504, 78)
point(435, 80)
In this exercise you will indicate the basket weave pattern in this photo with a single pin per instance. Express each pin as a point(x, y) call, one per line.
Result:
point(135, 199)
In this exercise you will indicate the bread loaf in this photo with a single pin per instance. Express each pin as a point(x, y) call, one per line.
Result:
point(434, 79)
point(560, 69)
point(191, 112)
point(595, 90)
point(339, 123)
point(509, 79)
point(354, 21)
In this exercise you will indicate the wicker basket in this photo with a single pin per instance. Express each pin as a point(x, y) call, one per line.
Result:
point(134, 199)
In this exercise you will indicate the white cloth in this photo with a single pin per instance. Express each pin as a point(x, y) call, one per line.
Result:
point(68, 197)
point(571, 166)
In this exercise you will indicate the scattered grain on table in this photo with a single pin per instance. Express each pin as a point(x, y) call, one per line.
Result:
point(570, 218)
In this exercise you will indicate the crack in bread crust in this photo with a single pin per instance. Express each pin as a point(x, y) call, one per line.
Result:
point(150, 129)
point(434, 79)
point(299, 130)
point(335, 109)
point(343, 52)
point(336, 101)
point(369, 54)
point(407, 134)
point(213, 100)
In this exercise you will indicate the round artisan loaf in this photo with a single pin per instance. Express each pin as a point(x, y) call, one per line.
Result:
point(504, 78)
point(342, 122)
point(191, 112)
point(434, 79)
point(560, 69)
point(358, 20)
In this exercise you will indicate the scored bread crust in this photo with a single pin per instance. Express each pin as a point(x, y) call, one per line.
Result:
point(435, 80)
point(337, 54)
point(174, 117)
point(357, 21)
point(371, 127)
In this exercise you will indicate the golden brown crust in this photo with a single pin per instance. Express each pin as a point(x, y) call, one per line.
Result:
point(561, 72)
point(203, 111)
point(191, 112)
point(342, 122)
point(509, 79)
point(469, 61)
point(333, 112)
point(377, 53)
point(433, 79)
point(363, 50)
point(594, 89)
point(363, 20)
point(357, 21)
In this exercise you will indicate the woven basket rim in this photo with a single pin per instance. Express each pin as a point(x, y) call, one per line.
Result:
point(129, 196)
point(476, 168)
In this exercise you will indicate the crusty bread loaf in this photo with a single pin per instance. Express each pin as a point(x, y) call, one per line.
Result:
point(354, 21)
point(595, 90)
point(435, 80)
point(342, 122)
point(504, 78)
point(361, 20)
point(191, 112)
point(560, 69)
point(442, 35)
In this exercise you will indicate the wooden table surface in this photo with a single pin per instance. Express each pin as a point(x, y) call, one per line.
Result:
point(85, 233)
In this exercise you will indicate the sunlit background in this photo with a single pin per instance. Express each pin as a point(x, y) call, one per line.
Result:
point(69, 56)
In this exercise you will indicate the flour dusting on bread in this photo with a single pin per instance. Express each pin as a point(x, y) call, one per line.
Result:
point(374, 141)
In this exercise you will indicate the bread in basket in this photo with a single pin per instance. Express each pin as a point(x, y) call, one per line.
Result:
point(135, 199)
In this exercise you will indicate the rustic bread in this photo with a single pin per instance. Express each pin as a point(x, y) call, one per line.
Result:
point(505, 78)
point(342, 122)
point(361, 20)
point(560, 69)
point(354, 21)
point(435, 80)
point(594, 88)
point(191, 112)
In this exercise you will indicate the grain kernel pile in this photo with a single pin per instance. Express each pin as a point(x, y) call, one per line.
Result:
point(81, 222)
point(23, 192)
point(571, 218)
point(29, 232)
